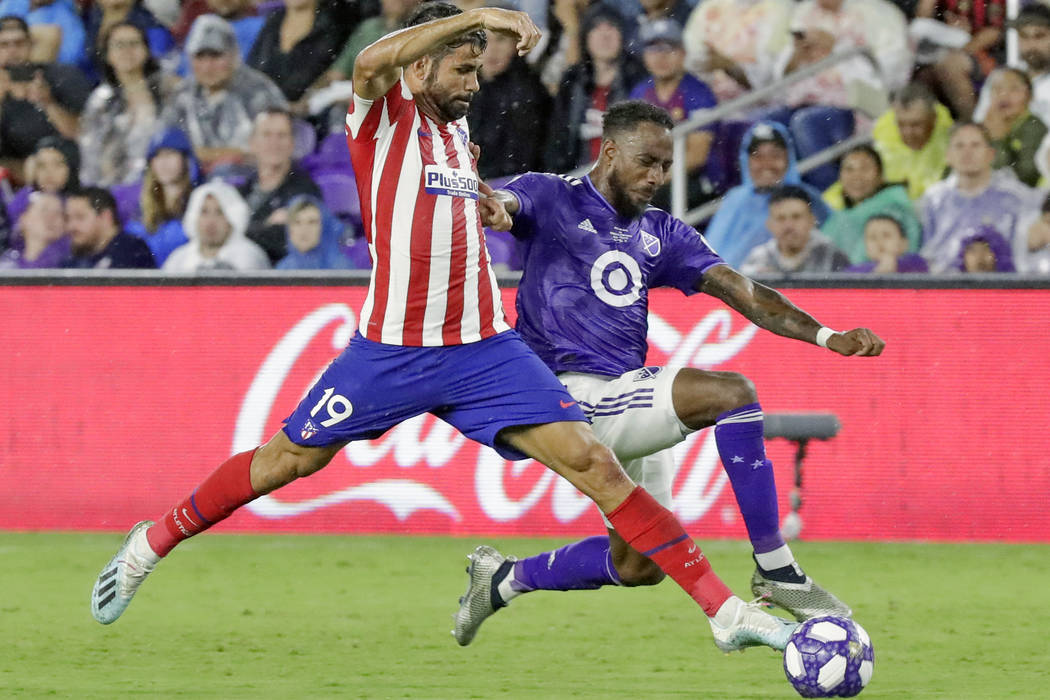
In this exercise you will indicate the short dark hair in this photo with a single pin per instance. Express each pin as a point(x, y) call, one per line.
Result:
point(429, 11)
point(276, 111)
point(959, 126)
point(868, 150)
point(626, 116)
point(915, 92)
point(99, 198)
point(887, 217)
point(785, 192)
point(14, 22)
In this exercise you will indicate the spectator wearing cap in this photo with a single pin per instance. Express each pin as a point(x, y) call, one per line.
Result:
point(56, 30)
point(38, 99)
point(509, 113)
point(241, 14)
point(95, 234)
point(767, 160)
point(217, 104)
point(912, 137)
point(683, 96)
point(604, 76)
point(642, 13)
point(973, 195)
point(796, 244)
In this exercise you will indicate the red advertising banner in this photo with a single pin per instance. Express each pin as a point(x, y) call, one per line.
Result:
point(118, 400)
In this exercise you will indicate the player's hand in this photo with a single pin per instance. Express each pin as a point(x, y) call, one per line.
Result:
point(512, 23)
point(493, 213)
point(475, 153)
point(859, 341)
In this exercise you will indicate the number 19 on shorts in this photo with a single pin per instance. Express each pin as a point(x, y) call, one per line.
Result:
point(338, 406)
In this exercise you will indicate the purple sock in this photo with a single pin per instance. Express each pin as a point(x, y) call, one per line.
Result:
point(738, 436)
point(582, 565)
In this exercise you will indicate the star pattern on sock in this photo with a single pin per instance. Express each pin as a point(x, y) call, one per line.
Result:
point(757, 463)
point(737, 459)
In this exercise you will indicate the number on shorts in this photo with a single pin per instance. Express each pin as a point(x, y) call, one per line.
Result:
point(339, 407)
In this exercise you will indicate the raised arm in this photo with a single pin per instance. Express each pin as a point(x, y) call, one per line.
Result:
point(379, 65)
point(771, 310)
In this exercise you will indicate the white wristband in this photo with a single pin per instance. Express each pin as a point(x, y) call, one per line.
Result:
point(823, 334)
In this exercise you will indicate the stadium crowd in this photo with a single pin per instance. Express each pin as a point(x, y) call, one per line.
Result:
point(208, 134)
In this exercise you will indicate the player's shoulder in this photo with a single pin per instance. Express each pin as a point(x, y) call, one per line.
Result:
point(551, 182)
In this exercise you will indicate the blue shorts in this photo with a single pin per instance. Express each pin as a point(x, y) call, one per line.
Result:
point(479, 389)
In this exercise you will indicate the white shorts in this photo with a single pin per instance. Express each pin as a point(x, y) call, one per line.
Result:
point(634, 416)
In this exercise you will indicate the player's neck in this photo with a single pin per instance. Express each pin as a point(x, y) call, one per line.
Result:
point(600, 179)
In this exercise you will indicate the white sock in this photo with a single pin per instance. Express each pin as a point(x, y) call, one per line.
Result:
point(506, 591)
point(778, 558)
point(727, 613)
point(141, 549)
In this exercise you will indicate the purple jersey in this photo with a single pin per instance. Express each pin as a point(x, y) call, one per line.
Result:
point(583, 299)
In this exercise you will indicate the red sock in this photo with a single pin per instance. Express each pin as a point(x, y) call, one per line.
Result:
point(655, 532)
point(227, 488)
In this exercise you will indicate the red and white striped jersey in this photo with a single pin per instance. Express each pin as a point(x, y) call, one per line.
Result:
point(431, 281)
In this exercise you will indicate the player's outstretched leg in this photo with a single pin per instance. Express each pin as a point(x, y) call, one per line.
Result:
point(572, 450)
point(728, 400)
point(238, 480)
point(778, 579)
point(495, 580)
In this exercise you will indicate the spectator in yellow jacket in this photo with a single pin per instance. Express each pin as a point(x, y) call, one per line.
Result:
point(912, 137)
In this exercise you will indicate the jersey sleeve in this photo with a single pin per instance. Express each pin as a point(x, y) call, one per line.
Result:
point(531, 190)
point(685, 259)
point(365, 119)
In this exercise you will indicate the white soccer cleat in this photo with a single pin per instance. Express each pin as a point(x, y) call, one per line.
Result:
point(752, 627)
point(122, 576)
point(803, 600)
point(487, 568)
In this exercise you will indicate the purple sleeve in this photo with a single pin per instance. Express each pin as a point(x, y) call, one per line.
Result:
point(685, 258)
point(529, 189)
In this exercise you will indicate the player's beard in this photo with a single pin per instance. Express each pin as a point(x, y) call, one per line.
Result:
point(621, 200)
point(449, 107)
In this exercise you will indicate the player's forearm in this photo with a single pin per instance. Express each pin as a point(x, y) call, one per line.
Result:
point(509, 201)
point(775, 313)
point(403, 47)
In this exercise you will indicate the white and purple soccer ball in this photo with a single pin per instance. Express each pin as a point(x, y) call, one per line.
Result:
point(829, 657)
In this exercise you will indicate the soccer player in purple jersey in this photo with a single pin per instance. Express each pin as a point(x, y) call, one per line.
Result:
point(593, 247)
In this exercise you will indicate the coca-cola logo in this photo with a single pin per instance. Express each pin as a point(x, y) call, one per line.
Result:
point(420, 464)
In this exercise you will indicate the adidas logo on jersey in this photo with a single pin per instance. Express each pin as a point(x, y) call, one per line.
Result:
point(586, 225)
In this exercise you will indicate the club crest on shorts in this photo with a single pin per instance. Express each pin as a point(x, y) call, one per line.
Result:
point(646, 373)
point(651, 244)
point(309, 430)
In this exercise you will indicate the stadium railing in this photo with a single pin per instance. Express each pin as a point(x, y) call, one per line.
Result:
point(733, 107)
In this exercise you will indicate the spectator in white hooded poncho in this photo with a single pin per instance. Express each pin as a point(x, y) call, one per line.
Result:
point(215, 221)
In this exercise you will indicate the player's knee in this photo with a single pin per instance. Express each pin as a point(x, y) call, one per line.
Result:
point(639, 571)
point(738, 391)
point(597, 466)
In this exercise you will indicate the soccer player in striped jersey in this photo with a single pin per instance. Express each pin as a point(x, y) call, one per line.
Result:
point(592, 248)
point(432, 335)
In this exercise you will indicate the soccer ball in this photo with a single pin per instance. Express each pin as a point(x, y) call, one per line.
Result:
point(829, 657)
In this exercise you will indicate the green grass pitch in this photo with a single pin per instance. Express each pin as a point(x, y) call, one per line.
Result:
point(369, 617)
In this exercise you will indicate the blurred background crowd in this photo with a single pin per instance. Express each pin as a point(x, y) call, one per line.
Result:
point(208, 134)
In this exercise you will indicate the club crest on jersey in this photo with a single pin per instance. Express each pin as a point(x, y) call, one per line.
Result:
point(450, 181)
point(646, 373)
point(651, 244)
point(309, 430)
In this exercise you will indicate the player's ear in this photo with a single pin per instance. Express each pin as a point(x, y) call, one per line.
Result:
point(609, 148)
point(420, 68)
